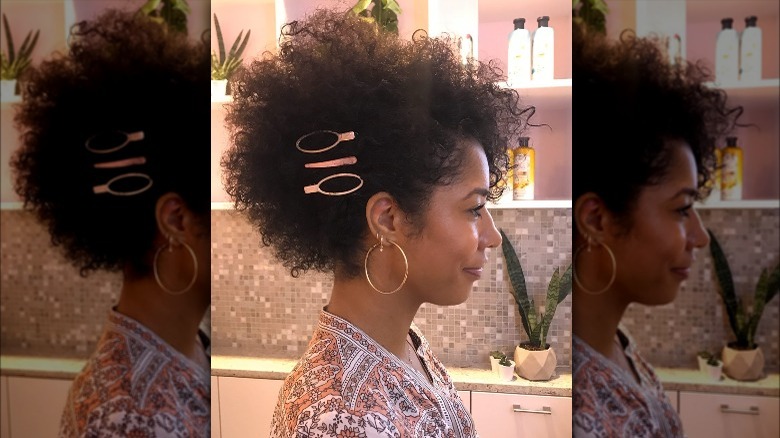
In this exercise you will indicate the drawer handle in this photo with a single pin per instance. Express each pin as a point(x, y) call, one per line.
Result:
point(545, 410)
point(727, 410)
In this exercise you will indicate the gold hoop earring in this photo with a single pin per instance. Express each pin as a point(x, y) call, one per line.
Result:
point(381, 244)
point(169, 245)
point(574, 269)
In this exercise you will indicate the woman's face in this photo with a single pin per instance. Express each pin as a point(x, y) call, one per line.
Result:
point(448, 255)
point(654, 257)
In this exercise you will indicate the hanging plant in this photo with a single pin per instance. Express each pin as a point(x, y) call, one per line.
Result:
point(382, 12)
point(591, 13)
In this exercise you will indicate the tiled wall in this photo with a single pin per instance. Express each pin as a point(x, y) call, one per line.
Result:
point(46, 309)
point(259, 310)
point(671, 335)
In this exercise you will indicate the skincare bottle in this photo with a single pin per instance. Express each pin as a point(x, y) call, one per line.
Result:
point(731, 175)
point(716, 181)
point(543, 47)
point(508, 181)
point(750, 51)
point(727, 53)
point(466, 49)
point(519, 59)
point(524, 163)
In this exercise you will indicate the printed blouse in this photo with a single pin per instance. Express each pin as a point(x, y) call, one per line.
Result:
point(136, 385)
point(347, 385)
point(608, 401)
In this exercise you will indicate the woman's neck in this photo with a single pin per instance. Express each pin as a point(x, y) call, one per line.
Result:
point(174, 318)
point(385, 318)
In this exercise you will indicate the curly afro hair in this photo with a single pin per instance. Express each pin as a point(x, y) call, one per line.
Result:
point(122, 73)
point(411, 105)
point(628, 103)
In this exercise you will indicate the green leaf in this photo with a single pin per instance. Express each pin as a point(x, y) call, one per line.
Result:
point(360, 6)
point(726, 290)
point(220, 40)
point(517, 280)
point(149, 7)
point(565, 285)
point(9, 40)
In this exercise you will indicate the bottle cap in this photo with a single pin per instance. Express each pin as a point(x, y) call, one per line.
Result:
point(523, 142)
point(726, 23)
point(543, 21)
point(751, 21)
point(519, 23)
point(731, 141)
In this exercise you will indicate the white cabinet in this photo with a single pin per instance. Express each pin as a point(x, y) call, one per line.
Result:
point(215, 423)
point(246, 406)
point(720, 415)
point(512, 415)
point(35, 406)
point(5, 431)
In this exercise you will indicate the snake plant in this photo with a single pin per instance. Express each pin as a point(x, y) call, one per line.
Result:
point(13, 61)
point(535, 326)
point(742, 322)
point(222, 67)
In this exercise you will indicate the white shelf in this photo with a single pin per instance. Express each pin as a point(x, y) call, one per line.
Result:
point(222, 206)
point(221, 99)
point(744, 204)
point(555, 93)
point(11, 205)
point(9, 100)
point(536, 203)
point(765, 90)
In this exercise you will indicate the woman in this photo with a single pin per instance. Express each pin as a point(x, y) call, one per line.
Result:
point(115, 162)
point(635, 229)
point(371, 157)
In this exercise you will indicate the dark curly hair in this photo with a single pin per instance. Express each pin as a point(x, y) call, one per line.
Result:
point(410, 102)
point(121, 73)
point(628, 103)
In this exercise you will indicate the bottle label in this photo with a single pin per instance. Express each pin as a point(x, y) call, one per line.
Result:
point(523, 175)
point(731, 176)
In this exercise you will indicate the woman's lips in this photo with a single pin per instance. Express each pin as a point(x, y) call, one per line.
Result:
point(682, 272)
point(476, 272)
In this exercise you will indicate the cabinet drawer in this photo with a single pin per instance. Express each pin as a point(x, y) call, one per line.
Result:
point(246, 406)
point(35, 405)
point(721, 415)
point(513, 415)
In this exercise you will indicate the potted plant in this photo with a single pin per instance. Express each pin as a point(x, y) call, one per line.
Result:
point(506, 369)
point(593, 13)
point(742, 358)
point(535, 358)
point(223, 66)
point(173, 13)
point(495, 357)
point(384, 13)
point(713, 368)
point(702, 357)
point(14, 62)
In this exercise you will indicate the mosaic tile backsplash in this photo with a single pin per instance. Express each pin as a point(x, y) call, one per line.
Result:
point(46, 309)
point(259, 310)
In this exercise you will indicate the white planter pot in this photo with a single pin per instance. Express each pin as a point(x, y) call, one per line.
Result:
point(507, 373)
point(494, 364)
point(702, 364)
point(743, 365)
point(714, 372)
point(218, 87)
point(535, 365)
point(7, 89)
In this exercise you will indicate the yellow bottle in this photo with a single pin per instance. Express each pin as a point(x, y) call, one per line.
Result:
point(716, 180)
point(508, 181)
point(731, 174)
point(524, 163)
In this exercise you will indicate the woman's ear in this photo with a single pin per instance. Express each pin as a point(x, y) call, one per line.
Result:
point(591, 216)
point(383, 216)
point(170, 212)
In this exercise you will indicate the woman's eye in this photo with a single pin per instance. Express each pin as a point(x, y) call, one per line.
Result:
point(685, 211)
point(476, 211)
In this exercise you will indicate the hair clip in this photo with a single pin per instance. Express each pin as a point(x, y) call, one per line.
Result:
point(105, 137)
point(346, 161)
point(316, 188)
point(344, 136)
point(121, 163)
point(106, 188)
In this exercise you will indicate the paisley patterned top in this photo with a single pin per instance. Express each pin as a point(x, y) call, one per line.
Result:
point(347, 385)
point(136, 385)
point(608, 402)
